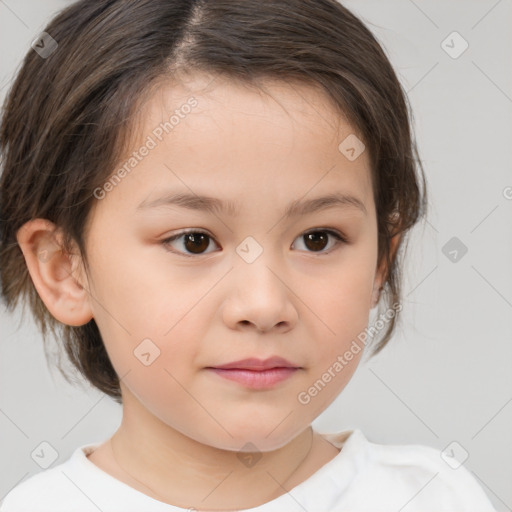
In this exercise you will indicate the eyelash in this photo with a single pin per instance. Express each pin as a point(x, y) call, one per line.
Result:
point(335, 234)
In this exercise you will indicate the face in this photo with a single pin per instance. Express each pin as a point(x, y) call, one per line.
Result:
point(273, 272)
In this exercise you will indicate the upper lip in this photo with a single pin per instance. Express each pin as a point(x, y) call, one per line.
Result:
point(253, 363)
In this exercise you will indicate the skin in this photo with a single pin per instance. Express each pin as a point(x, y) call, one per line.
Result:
point(183, 426)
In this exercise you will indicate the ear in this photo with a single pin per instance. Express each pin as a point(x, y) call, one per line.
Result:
point(53, 272)
point(382, 271)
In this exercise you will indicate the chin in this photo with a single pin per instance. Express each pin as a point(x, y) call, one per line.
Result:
point(265, 436)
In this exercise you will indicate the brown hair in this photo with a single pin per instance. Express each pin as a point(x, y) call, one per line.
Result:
point(67, 119)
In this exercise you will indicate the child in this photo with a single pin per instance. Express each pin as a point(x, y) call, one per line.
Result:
point(205, 199)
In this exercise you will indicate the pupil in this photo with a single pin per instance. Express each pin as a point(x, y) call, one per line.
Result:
point(198, 242)
point(313, 238)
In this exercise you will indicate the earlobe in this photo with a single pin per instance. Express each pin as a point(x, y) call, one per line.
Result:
point(52, 272)
point(376, 294)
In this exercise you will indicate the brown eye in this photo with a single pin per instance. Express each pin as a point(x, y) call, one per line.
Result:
point(193, 242)
point(196, 242)
point(317, 241)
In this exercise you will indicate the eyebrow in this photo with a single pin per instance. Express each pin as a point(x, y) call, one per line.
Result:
point(214, 205)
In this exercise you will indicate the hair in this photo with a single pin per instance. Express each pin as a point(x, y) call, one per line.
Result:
point(67, 119)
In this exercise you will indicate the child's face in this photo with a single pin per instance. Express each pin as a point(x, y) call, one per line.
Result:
point(206, 302)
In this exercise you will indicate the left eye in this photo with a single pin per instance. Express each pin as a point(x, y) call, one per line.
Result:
point(317, 240)
point(196, 242)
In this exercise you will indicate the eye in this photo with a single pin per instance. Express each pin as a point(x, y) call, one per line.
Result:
point(195, 242)
point(316, 240)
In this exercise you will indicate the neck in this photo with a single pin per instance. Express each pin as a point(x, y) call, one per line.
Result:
point(175, 469)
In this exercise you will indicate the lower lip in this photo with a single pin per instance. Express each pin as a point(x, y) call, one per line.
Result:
point(256, 379)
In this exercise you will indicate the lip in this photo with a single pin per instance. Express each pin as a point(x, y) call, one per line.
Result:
point(256, 373)
point(256, 364)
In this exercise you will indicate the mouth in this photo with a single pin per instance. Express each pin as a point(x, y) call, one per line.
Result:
point(256, 373)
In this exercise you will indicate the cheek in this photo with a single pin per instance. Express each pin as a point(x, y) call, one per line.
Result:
point(138, 288)
point(340, 303)
point(148, 317)
point(342, 307)
point(159, 370)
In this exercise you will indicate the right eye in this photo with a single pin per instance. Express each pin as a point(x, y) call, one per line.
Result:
point(192, 240)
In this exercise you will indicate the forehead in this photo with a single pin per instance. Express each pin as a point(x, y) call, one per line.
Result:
point(221, 102)
point(213, 131)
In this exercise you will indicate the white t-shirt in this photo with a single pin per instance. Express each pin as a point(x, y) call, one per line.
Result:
point(363, 477)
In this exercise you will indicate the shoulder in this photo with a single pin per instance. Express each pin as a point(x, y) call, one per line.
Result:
point(426, 476)
point(51, 490)
point(45, 485)
point(437, 476)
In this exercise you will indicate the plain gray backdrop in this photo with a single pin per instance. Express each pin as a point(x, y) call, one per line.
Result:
point(445, 379)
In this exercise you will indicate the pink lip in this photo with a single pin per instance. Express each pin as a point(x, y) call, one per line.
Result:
point(258, 364)
point(257, 373)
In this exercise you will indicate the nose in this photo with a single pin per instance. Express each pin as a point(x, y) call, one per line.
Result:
point(259, 297)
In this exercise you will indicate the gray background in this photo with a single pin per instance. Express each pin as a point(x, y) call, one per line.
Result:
point(446, 374)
